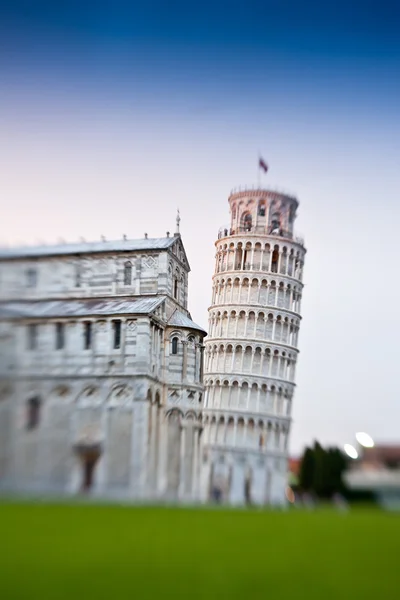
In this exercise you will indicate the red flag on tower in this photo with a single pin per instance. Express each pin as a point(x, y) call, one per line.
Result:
point(263, 165)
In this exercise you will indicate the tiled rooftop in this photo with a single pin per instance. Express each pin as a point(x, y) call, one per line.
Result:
point(87, 248)
point(78, 308)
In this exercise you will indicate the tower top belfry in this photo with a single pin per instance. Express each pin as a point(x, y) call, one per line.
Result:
point(262, 211)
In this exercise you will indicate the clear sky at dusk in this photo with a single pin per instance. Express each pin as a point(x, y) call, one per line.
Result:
point(113, 114)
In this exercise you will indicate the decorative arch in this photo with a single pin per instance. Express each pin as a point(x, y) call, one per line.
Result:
point(247, 221)
point(90, 395)
point(121, 394)
point(128, 273)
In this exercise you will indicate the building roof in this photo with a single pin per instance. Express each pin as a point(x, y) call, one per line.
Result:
point(294, 465)
point(381, 453)
point(372, 479)
point(178, 319)
point(87, 247)
point(78, 308)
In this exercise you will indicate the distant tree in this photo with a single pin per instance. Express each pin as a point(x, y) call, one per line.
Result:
point(337, 466)
point(321, 471)
point(306, 475)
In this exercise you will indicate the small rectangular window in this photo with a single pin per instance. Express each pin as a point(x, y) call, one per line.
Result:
point(117, 333)
point(32, 336)
point(31, 278)
point(88, 334)
point(33, 413)
point(60, 337)
point(78, 276)
point(128, 273)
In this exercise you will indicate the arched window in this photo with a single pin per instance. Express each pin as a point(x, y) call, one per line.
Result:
point(247, 222)
point(275, 223)
point(261, 210)
point(175, 345)
point(275, 259)
point(33, 413)
point(128, 273)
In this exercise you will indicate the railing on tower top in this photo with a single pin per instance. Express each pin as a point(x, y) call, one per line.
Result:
point(271, 231)
point(262, 189)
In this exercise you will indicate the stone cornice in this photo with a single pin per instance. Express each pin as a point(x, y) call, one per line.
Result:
point(261, 379)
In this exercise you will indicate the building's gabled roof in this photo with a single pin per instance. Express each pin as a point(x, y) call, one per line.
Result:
point(78, 308)
point(87, 248)
point(181, 247)
point(179, 319)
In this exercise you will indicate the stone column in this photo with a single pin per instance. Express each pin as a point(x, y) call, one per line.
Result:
point(245, 325)
point(279, 262)
point(229, 395)
point(267, 400)
point(220, 395)
point(243, 353)
point(236, 324)
point(249, 292)
point(235, 429)
point(258, 399)
point(152, 449)
point(259, 291)
point(183, 470)
point(248, 399)
point(184, 362)
point(196, 464)
point(138, 275)
point(201, 369)
point(252, 360)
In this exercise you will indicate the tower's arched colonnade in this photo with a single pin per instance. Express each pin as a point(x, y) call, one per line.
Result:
point(251, 352)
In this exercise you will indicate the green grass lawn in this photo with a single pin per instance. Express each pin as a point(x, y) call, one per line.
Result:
point(51, 551)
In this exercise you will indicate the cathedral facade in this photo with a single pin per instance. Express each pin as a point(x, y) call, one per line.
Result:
point(101, 371)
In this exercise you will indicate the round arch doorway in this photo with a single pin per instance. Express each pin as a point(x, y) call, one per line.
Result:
point(89, 455)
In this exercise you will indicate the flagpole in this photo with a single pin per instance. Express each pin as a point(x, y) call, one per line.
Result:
point(259, 171)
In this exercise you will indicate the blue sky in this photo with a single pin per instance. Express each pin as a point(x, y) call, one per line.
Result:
point(113, 114)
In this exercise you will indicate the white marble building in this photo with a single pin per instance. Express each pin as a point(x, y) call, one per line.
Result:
point(101, 370)
point(251, 350)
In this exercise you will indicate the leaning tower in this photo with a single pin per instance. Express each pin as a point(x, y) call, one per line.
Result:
point(251, 351)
